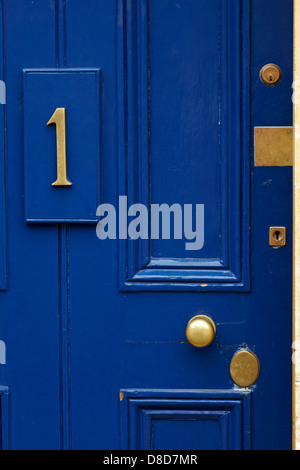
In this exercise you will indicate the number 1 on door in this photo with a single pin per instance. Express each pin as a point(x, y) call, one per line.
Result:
point(59, 119)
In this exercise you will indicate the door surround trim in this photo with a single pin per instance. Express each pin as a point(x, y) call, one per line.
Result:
point(296, 214)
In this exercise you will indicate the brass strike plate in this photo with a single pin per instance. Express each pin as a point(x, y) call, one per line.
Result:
point(277, 236)
point(273, 146)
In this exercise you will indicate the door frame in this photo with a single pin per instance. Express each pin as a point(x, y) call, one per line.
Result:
point(296, 210)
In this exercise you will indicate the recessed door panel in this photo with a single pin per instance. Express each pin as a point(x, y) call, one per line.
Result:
point(160, 420)
point(185, 142)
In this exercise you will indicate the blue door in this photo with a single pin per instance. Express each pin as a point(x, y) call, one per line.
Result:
point(146, 243)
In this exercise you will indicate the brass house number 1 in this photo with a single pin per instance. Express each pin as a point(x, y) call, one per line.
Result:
point(61, 187)
point(59, 119)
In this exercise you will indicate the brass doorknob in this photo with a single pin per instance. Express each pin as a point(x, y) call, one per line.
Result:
point(200, 331)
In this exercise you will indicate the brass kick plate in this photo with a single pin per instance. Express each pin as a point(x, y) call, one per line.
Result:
point(273, 146)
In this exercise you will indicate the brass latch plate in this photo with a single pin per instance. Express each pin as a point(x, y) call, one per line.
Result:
point(273, 146)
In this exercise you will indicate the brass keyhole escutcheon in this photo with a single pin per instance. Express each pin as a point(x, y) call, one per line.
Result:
point(277, 236)
point(244, 368)
point(271, 74)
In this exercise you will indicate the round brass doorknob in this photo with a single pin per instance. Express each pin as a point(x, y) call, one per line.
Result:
point(200, 331)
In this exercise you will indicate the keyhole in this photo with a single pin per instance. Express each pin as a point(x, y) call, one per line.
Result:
point(277, 235)
point(271, 74)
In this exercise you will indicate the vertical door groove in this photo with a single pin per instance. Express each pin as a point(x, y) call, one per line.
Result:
point(63, 271)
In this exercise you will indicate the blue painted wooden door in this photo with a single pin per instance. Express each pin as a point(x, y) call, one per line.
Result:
point(161, 98)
